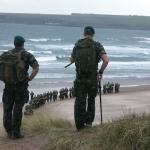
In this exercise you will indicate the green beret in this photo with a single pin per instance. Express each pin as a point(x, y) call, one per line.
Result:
point(19, 40)
point(89, 30)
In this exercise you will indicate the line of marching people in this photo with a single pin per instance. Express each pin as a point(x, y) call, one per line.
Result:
point(111, 87)
point(36, 101)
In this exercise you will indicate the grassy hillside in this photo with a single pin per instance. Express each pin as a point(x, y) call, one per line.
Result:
point(129, 133)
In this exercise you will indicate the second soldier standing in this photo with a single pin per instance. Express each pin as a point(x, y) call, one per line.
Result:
point(86, 55)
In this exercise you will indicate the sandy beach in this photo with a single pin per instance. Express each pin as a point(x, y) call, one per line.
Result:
point(129, 100)
point(133, 99)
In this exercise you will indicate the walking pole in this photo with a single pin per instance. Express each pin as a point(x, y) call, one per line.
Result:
point(68, 65)
point(100, 97)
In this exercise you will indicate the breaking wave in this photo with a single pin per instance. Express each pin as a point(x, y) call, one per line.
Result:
point(54, 47)
point(143, 39)
point(39, 40)
point(56, 39)
point(46, 59)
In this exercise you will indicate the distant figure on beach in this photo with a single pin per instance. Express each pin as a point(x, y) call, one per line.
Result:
point(86, 54)
point(117, 87)
point(50, 96)
point(55, 95)
point(111, 87)
point(66, 93)
point(14, 65)
point(32, 95)
point(70, 92)
point(61, 94)
point(104, 88)
point(28, 110)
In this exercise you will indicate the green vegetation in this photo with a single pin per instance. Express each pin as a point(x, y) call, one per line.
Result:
point(40, 124)
point(80, 20)
point(128, 133)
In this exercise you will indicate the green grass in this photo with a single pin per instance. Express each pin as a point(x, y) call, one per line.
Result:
point(40, 124)
point(128, 133)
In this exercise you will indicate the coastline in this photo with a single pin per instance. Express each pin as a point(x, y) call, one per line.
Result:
point(33, 86)
point(130, 100)
point(127, 90)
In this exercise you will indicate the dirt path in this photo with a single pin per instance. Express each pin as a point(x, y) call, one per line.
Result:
point(32, 142)
point(28, 143)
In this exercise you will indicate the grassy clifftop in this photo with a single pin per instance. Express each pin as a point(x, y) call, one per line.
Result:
point(129, 133)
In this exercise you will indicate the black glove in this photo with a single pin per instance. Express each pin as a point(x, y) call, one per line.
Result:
point(100, 74)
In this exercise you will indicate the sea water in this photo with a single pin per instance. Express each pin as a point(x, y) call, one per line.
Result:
point(128, 51)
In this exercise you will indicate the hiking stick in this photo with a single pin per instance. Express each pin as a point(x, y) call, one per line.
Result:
point(68, 65)
point(100, 97)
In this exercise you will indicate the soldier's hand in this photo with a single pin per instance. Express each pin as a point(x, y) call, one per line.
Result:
point(99, 77)
point(29, 79)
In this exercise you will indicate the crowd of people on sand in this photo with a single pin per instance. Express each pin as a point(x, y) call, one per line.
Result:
point(111, 88)
point(39, 100)
point(36, 101)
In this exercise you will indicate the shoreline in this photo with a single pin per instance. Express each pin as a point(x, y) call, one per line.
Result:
point(130, 100)
point(123, 89)
point(134, 88)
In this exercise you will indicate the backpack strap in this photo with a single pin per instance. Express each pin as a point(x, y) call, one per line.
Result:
point(97, 51)
point(19, 55)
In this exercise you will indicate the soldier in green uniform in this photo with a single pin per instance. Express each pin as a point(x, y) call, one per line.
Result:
point(51, 94)
point(16, 86)
point(86, 54)
point(28, 110)
point(70, 93)
point(32, 95)
point(104, 88)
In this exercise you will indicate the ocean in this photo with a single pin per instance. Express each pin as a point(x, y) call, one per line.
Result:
point(128, 50)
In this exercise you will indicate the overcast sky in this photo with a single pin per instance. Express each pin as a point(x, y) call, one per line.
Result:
point(123, 7)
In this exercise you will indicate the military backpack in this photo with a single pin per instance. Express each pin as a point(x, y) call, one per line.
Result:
point(12, 67)
point(87, 59)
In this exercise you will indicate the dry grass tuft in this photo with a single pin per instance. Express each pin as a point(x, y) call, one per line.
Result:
point(36, 124)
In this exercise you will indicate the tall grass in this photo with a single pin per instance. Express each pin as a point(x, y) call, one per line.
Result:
point(129, 133)
point(43, 123)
